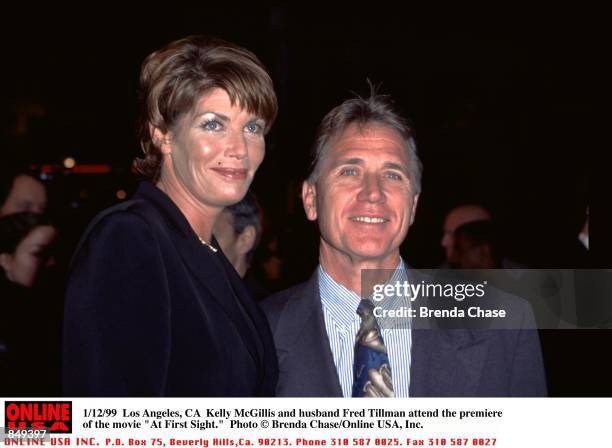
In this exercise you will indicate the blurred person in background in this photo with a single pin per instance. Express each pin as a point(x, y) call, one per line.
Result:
point(20, 191)
point(25, 240)
point(153, 307)
point(466, 214)
point(29, 336)
point(476, 246)
point(238, 232)
point(456, 217)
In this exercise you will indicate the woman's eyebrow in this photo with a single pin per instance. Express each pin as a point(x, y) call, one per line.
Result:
point(219, 115)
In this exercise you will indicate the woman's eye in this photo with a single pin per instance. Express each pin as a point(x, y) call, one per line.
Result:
point(254, 128)
point(212, 125)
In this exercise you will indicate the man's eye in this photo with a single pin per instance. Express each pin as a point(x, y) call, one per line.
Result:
point(212, 125)
point(348, 172)
point(394, 176)
point(254, 128)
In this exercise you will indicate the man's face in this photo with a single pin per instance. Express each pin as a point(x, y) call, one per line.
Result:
point(456, 218)
point(466, 254)
point(363, 200)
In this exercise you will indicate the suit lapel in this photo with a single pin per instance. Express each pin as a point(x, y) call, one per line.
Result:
point(303, 347)
point(257, 322)
point(220, 289)
point(446, 363)
point(198, 258)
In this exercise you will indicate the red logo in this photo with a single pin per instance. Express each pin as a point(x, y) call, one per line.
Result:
point(54, 416)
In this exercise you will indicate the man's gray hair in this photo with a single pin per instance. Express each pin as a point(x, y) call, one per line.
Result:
point(377, 109)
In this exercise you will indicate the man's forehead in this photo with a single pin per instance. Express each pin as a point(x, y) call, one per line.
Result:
point(369, 142)
point(368, 135)
point(464, 214)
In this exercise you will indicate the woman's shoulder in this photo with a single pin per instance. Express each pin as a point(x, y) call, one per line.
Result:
point(133, 213)
point(128, 224)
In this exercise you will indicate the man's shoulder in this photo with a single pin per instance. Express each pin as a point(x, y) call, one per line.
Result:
point(295, 301)
point(275, 303)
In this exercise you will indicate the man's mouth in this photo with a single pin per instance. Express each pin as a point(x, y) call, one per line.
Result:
point(369, 219)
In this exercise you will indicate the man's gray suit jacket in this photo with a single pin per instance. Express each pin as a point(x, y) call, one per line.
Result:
point(445, 363)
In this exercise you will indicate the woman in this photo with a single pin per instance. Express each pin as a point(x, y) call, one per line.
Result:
point(153, 307)
point(27, 323)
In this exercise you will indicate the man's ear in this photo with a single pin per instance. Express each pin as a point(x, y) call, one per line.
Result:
point(246, 240)
point(309, 199)
point(484, 252)
point(415, 201)
point(160, 139)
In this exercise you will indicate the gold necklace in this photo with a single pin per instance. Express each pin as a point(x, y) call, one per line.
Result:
point(210, 246)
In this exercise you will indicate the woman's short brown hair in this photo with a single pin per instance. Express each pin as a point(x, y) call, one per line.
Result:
point(173, 79)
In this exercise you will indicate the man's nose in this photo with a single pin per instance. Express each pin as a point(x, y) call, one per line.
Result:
point(371, 190)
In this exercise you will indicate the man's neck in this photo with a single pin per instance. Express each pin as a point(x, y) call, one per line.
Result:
point(347, 270)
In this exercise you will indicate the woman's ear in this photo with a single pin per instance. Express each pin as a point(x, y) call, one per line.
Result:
point(160, 139)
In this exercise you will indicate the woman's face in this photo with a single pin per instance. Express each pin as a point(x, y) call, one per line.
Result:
point(31, 254)
point(213, 153)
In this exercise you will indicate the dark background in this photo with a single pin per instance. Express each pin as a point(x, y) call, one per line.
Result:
point(502, 101)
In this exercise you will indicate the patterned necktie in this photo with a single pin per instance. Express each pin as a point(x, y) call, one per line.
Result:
point(371, 369)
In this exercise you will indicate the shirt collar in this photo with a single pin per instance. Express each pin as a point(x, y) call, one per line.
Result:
point(341, 302)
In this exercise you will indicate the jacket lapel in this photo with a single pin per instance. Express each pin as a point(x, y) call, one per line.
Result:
point(197, 258)
point(303, 347)
point(446, 363)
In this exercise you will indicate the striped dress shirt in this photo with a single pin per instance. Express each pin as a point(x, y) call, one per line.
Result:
point(342, 323)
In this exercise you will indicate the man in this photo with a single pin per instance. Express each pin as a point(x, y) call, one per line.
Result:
point(458, 216)
point(476, 246)
point(363, 192)
point(238, 232)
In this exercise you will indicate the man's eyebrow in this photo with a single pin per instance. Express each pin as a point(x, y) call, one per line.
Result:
point(358, 161)
point(396, 166)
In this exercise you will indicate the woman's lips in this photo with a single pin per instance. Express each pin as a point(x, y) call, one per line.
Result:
point(232, 173)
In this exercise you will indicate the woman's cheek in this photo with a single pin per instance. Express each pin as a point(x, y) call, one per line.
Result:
point(259, 153)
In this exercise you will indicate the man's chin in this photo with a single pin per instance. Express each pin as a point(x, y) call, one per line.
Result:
point(372, 254)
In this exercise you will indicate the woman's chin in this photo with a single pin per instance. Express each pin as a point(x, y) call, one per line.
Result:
point(233, 197)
